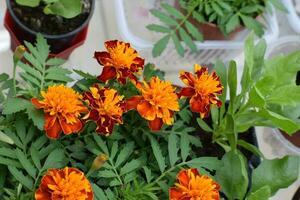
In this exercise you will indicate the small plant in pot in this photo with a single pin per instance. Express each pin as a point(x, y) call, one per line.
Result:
point(63, 23)
point(199, 20)
point(129, 134)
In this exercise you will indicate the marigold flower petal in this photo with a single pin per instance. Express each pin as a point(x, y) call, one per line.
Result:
point(106, 108)
point(67, 184)
point(62, 107)
point(203, 89)
point(191, 186)
point(157, 103)
point(121, 57)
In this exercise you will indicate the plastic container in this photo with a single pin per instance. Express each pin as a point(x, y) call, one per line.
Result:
point(134, 15)
point(4, 37)
point(284, 46)
point(293, 17)
point(60, 44)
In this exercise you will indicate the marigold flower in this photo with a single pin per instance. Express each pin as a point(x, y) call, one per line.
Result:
point(62, 107)
point(193, 186)
point(106, 108)
point(156, 104)
point(120, 61)
point(203, 89)
point(66, 184)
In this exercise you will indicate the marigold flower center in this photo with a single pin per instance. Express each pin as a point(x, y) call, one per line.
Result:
point(122, 55)
point(206, 84)
point(64, 101)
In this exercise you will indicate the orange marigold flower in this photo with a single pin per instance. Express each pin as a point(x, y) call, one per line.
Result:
point(120, 61)
point(106, 108)
point(66, 184)
point(156, 104)
point(193, 186)
point(203, 89)
point(62, 107)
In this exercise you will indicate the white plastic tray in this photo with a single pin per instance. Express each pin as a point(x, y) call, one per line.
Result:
point(133, 16)
point(4, 37)
point(293, 17)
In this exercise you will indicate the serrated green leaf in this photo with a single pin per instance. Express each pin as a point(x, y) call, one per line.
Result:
point(173, 149)
point(193, 31)
point(124, 154)
point(148, 174)
point(184, 146)
point(30, 79)
point(14, 105)
point(158, 154)
point(35, 157)
point(10, 162)
point(160, 46)
point(114, 150)
point(24, 180)
point(158, 28)
point(131, 166)
point(163, 17)
point(37, 117)
point(187, 39)
point(84, 74)
point(198, 17)
point(217, 8)
point(101, 143)
point(29, 57)
point(42, 47)
point(172, 11)
point(224, 5)
point(30, 169)
point(252, 24)
point(233, 23)
point(179, 48)
point(30, 70)
point(5, 138)
point(98, 192)
point(55, 62)
point(54, 159)
point(107, 174)
point(58, 77)
point(204, 126)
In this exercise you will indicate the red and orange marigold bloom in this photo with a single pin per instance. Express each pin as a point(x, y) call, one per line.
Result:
point(193, 186)
point(203, 89)
point(66, 184)
point(157, 103)
point(106, 108)
point(62, 107)
point(120, 61)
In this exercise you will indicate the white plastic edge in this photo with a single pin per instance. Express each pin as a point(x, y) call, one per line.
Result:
point(292, 16)
point(281, 41)
point(270, 36)
point(287, 144)
point(4, 40)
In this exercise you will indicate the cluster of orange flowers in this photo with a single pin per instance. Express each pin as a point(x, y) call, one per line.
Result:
point(157, 102)
point(67, 111)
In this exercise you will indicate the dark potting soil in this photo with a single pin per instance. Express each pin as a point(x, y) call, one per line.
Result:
point(35, 19)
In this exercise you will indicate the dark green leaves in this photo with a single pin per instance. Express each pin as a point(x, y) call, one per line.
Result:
point(14, 105)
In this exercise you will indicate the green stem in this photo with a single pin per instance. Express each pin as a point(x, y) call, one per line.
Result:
point(14, 77)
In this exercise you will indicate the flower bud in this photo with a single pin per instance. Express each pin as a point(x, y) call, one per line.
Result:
point(99, 162)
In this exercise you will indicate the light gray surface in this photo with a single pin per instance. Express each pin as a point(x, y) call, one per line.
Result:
point(103, 27)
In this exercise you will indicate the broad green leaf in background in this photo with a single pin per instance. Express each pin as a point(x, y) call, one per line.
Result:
point(277, 173)
point(263, 193)
point(30, 3)
point(65, 8)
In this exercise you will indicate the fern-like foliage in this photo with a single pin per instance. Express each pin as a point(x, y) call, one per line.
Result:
point(38, 70)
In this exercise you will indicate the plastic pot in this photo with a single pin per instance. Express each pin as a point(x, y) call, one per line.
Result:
point(61, 45)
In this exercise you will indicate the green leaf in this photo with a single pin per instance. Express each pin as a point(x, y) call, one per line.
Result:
point(131, 166)
point(264, 193)
point(54, 159)
point(65, 8)
point(163, 17)
point(148, 174)
point(42, 47)
point(277, 173)
point(84, 74)
point(124, 154)
point(26, 163)
point(252, 24)
point(37, 116)
point(187, 39)
point(14, 105)
point(221, 71)
point(179, 48)
point(10, 162)
point(160, 46)
point(35, 157)
point(172, 11)
point(158, 154)
point(232, 23)
point(98, 192)
point(158, 28)
point(107, 174)
point(279, 5)
point(285, 95)
point(30, 70)
point(217, 8)
point(5, 138)
point(211, 163)
point(24, 180)
point(232, 83)
point(184, 146)
point(55, 62)
point(198, 17)
point(233, 176)
point(193, 31)
point(101, 143)
point(224, 5)
point(58, 77)
point(204, 126)
point(29, 3)
point(173, 148)
point(250, 147)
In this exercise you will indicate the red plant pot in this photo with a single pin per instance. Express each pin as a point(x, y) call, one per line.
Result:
point(61, 45)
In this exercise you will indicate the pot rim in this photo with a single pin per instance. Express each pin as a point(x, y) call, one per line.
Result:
point(47, 36)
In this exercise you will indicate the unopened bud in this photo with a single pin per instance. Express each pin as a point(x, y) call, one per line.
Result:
point(99, 162)
point(19, 52)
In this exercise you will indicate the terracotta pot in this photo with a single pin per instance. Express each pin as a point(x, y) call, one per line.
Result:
point(210, 31)
point(61, 45)
point(294, 139)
